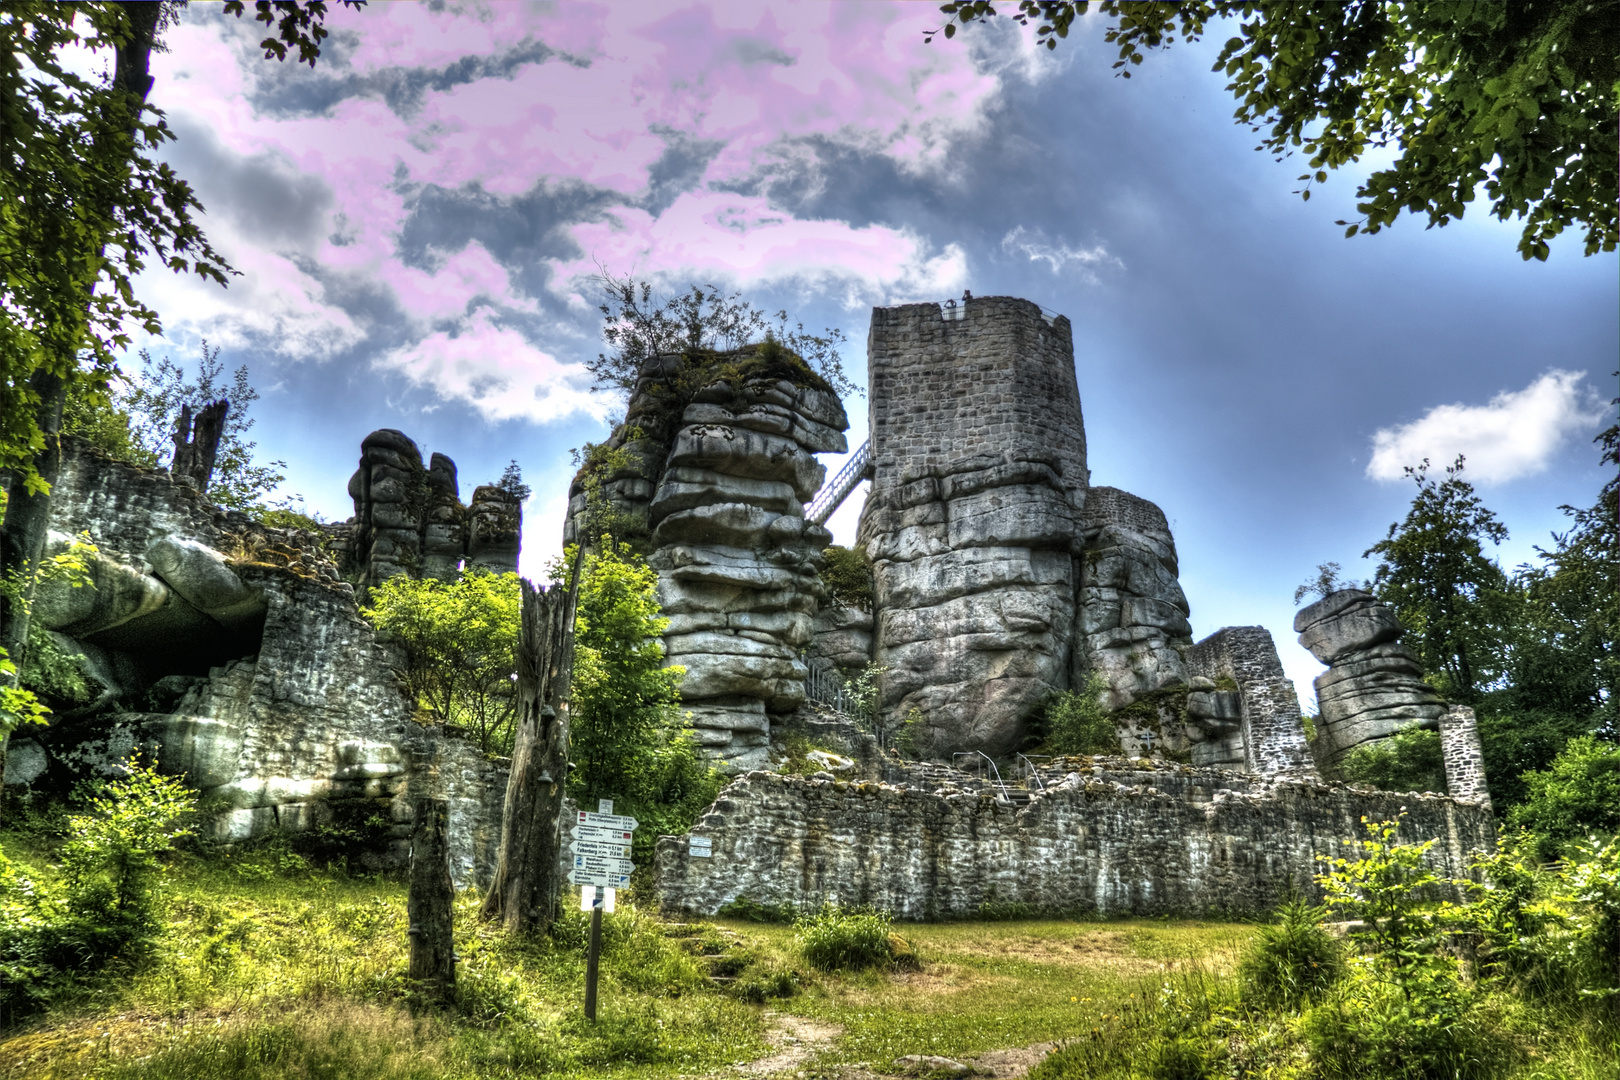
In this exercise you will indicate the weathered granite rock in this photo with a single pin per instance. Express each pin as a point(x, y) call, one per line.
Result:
point(1132, 621)
point(715, 483)
point(199, 574)
point(979, 477)
point(1136, 839)
point(409, 520)
point(1374, 687)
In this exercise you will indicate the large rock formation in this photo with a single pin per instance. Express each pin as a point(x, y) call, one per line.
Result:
point(1133, 614)
point(713, 480)
point(235, 654)
point(1374, 686)
point(979, 479)
point(409, 520)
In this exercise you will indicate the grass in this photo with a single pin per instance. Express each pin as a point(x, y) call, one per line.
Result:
point(268, 970)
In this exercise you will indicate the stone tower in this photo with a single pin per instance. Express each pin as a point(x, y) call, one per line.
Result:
point(973, 521)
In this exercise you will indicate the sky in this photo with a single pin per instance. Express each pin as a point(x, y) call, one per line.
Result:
point(419, 223)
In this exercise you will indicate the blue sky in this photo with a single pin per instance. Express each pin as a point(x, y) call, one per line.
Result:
point(417, 221)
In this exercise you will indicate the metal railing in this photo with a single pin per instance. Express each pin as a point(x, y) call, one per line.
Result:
point(978, 755)
point(834, 492)
point(1031, 772)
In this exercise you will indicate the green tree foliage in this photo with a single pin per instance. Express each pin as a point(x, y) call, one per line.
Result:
point(1326, 582)
point(1519, 98)
point(1077, 723)
point(136, 421)
point(637, 323)
point(1576, 797)
point(1435, 576)
point(48, 675)
point(1410, 760)
point(109, 902)
point(628, 739)
point(460, 644)
point(847, 575)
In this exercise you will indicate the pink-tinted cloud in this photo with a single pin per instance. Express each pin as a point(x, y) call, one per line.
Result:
point(508, 99)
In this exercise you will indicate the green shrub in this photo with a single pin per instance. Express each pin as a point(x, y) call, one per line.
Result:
point(1291, 961)
point(1172, 1030)
point(1578, 796)
point(848, 577)
point(834, 939)
point(1077, 723)
point(1371, 1028)
point(1410, 760)
point(750, 911)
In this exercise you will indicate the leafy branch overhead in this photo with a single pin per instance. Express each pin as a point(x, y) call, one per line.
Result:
point(1520, 99)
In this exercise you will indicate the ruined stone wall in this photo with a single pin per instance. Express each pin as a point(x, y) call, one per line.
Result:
point(1464, 756)
point(1156, 842)
point(304, 722)
point(1270, 728)
point(979, 476)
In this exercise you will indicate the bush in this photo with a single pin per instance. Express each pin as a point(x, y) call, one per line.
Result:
point(1410, 760)
point(1578, 796)
point(109, 900)
point(1292, 961)
point(1521, 743)
point(837, 940)
point(1371, 1028)
point(1077, 723)
point(848, 577)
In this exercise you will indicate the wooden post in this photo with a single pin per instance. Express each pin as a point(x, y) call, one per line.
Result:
point(433, 956)
point(523, 894)
point(593, 956)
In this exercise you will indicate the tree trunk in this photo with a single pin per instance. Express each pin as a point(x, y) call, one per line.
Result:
point(524, 893)
point(432, 896)
point(27, 516)
point(196, 446)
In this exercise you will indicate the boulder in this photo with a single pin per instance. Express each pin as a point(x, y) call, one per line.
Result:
point(199, 573)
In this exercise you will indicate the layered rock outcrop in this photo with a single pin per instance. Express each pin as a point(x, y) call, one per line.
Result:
point(979, 480)
point(1132, 612)
point(713, 482)
point(409, 519)
point(1374, 686)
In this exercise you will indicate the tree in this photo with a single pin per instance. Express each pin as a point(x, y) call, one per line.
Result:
point(638, 324)
point(1435, 576)
point(511, 481)
point(1576, 797)
point(1520, 97)
point(82, 207)
point(629, 740)
point(460, 642)
point(1326, 582)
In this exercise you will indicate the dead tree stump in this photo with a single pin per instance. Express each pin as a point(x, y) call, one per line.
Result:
point(433, 950)
point(524, 893)
point(196, 446)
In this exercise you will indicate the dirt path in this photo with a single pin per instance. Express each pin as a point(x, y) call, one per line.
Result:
point(795, 1040)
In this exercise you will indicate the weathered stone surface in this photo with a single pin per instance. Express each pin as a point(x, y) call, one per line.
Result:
point(1132, 616)
point(199, 574)
point(1375, 687)
point(1354, 627)
point(1142, 841)
point(719, 483)
point(979, 475)
point(1258, 727)
point(1464, 756)
point(494, 530)
point(115, 593)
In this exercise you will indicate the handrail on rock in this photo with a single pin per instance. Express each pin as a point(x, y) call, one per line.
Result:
point(833, 493)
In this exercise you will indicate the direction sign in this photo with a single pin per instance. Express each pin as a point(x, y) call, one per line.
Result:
point(603, 862)
point(592, 877)
point(614, 836)
point(612, 849)
point(608, 821)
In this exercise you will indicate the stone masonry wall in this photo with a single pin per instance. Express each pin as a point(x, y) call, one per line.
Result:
point(1273, 733)
point(979, 476)
point(1464, 756)
point(1167, 842)
point(306, 722)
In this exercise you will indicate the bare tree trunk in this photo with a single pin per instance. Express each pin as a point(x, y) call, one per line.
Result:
point(524, 893)
point(196, 446)
point(429, 905)
point(27, 516)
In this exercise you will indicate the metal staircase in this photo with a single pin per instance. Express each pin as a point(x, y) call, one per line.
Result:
point(835, 491)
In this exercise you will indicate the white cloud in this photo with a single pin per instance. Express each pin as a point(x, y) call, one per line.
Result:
point(1513, 436)
point(1036, 248)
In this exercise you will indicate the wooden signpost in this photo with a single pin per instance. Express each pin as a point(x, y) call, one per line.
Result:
point(600, 846)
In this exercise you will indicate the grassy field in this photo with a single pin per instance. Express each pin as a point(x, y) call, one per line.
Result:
point(269, 970)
